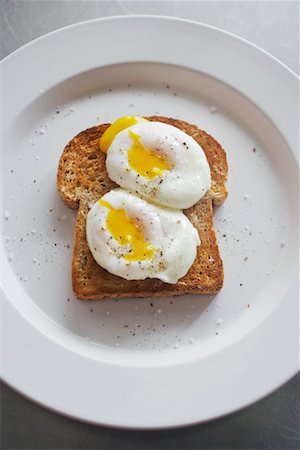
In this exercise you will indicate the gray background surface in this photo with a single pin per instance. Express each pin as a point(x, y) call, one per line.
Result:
point(272, 423)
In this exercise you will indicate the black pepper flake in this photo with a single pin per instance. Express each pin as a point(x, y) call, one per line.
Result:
point(91, 310)
point(168, 86)
point(68, 245)
point(68, 299)
point(151, 304)
point(58, 112)
point(11, 170)
point(248, 306)
point(34, 181)
point(254, 149)
point(241, 284)
point(224, 235)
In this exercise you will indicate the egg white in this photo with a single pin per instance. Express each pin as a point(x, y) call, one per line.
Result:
point(180, 187)
point(171, 233)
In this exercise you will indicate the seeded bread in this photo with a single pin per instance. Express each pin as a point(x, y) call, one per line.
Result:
point(82, 179)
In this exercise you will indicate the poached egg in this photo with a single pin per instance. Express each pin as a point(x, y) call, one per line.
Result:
point(157, 161)
point(135, 239)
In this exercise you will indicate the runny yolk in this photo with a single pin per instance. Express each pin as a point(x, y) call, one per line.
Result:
point(143, 161)
point(111, 132)
point(125, 231)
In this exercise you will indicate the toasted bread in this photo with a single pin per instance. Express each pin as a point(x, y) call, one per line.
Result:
point(82, 179)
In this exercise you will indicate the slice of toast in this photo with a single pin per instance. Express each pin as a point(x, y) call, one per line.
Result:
point(82, 179)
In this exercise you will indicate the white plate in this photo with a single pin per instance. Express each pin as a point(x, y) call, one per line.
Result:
point(151, 362)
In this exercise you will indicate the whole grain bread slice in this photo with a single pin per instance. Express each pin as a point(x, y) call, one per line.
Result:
point(82, 179)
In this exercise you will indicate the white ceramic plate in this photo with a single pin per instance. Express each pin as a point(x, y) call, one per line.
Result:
point(150, 362)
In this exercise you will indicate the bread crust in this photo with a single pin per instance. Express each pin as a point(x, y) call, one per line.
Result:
point(82, 179)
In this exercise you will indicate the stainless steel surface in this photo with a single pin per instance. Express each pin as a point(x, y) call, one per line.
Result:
point(271, 423)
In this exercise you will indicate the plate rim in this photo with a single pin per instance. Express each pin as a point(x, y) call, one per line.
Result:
point(148, 17)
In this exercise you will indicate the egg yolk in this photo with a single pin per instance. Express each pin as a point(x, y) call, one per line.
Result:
point(143, 161)
point(125, 231)
point(111, 132)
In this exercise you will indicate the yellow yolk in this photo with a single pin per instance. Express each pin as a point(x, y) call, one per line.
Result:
point(111, 132)
point(143, 161)
point(125, 231)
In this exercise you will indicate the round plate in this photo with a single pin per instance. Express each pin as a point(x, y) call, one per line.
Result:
point(160, 362)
